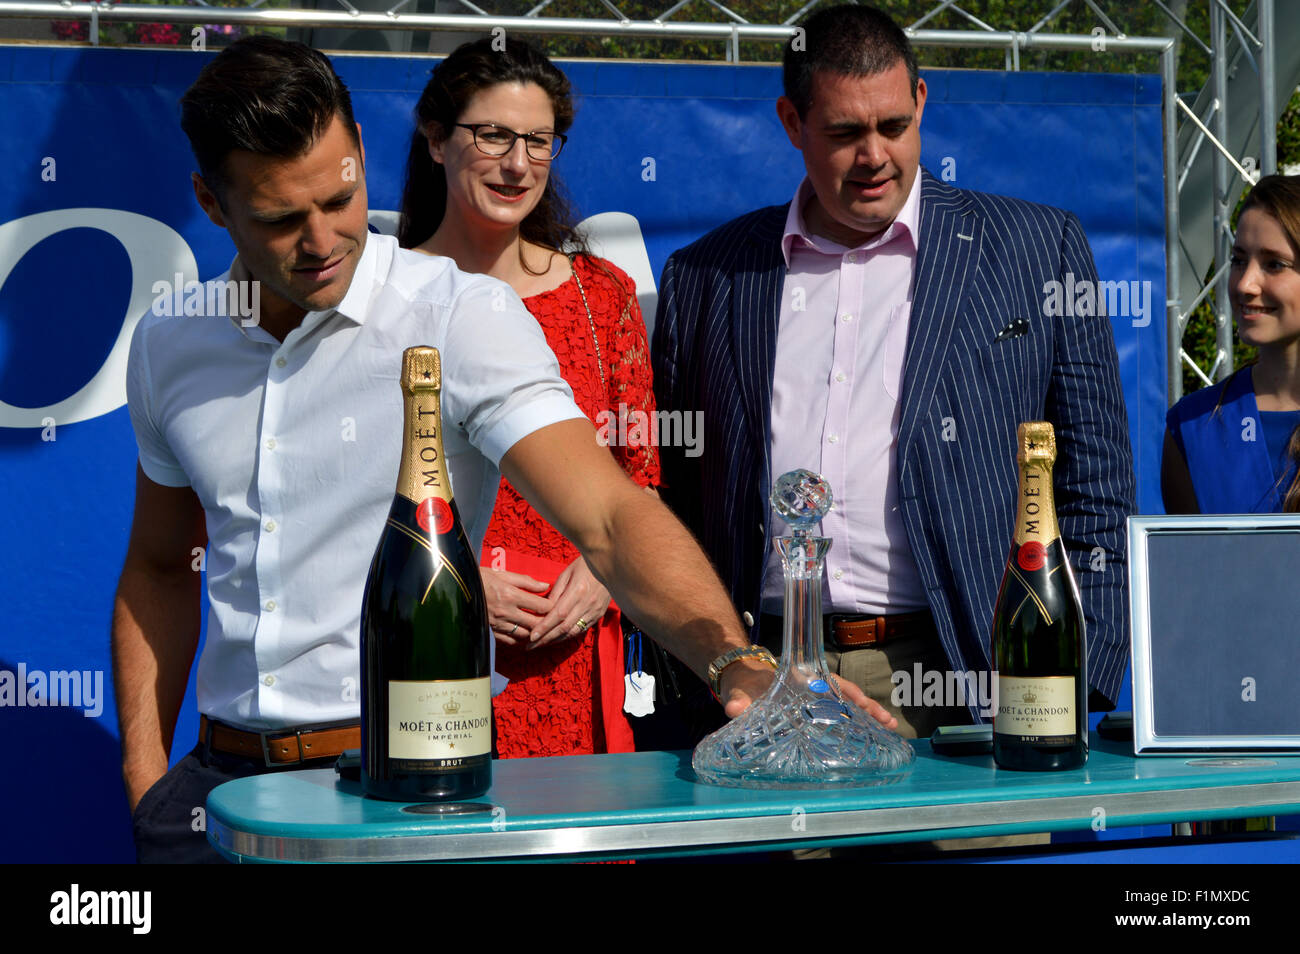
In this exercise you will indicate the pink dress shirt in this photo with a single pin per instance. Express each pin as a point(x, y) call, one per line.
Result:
point(836, 396)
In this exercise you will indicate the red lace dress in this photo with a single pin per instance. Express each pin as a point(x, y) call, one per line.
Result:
point(566, 698)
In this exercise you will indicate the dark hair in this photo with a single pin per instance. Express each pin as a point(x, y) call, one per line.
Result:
point(264, 95)
point(849, 40)
point(1278, 196)
point(470, 68)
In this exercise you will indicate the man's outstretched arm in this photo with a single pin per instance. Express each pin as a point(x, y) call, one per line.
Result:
point(642, 553)
point(155, 627)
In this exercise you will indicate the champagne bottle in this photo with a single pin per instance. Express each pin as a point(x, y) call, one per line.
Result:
point(426, 699)
point(1039, 653)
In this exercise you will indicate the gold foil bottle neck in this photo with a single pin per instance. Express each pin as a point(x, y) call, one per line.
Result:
point(1036, 443)
point(1036, 518)
point(423, 471)
point(421, 370)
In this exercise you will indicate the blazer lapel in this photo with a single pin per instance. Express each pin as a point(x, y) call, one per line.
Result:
point(945, 268)
point(755, 309)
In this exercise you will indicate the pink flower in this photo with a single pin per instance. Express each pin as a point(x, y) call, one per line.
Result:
point(71, 29)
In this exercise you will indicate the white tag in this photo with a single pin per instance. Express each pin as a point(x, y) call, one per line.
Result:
point(638, 694)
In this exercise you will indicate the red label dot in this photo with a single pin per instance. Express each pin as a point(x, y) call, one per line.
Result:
point(1032, 556)
point(435, 511)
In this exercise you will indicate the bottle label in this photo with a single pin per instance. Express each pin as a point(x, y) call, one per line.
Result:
point(448, 720)
point(1038, 710)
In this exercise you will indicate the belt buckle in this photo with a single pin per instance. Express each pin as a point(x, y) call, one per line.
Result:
point(266, 750)
point(828, 636)
point(832, 619)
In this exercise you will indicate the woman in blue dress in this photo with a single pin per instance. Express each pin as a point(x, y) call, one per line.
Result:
point(1234, 447)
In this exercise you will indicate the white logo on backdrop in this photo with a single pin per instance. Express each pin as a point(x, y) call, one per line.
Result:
point(153, 248)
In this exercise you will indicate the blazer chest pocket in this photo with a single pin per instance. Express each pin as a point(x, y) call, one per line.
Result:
point(1011, 343)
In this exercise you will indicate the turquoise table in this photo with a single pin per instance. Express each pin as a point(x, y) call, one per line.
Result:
point(648, 804)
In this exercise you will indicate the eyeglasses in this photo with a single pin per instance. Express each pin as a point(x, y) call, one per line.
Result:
point(494, 140)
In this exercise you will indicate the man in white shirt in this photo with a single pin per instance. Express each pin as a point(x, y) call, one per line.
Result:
point(276, 443)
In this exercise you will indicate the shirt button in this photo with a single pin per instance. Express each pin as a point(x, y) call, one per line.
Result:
point(840, 377)
point(269, 681)
point(270, 443)
point(839, 574)
point(280, 362)
point(748, 618)
point(833, 439)
point(846, 317)
point(270, 606)
point(270, 526)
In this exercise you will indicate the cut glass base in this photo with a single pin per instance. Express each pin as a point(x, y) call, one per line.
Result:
point(795, 737)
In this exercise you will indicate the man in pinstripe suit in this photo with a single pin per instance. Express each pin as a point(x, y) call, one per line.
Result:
point(888, 331)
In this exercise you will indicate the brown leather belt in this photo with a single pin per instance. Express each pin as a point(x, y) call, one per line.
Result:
point(280, 747)
point(843, 631)
point(855, 632)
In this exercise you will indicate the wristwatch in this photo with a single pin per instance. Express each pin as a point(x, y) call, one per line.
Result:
point(734, 655)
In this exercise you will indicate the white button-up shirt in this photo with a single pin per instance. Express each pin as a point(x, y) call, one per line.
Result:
point(293, 450)
point(836, 392)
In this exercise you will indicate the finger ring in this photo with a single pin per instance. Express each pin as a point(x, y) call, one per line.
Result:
point(582, 622)
point(512, 629)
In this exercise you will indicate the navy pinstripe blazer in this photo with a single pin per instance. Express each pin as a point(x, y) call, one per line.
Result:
point(982, 263)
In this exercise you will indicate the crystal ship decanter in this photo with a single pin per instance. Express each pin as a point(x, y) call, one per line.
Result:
point(801, 733)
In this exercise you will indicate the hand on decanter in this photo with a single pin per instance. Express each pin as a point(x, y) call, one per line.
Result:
point(745, 681)
point(855, 695)
point(741, 683)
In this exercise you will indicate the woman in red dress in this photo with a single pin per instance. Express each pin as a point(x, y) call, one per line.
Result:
point(479, 190)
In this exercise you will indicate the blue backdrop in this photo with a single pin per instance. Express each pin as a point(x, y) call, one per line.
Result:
point(96, 205)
